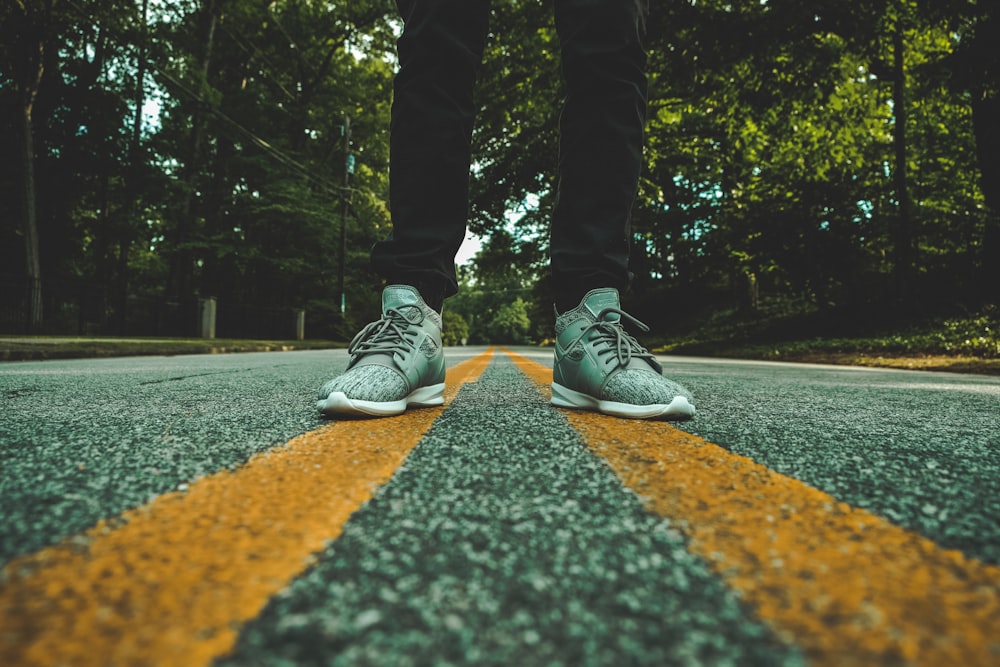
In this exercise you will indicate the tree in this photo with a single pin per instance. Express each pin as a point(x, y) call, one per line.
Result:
point(264, 224)
point(777, 168)
point(28, 27)
point(510, 323)
point(455, 330)
point(59, 60)
point(773, 134)
point(972, 69)
point(515, 141)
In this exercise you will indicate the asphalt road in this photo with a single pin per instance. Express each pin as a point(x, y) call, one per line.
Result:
point(506, 531)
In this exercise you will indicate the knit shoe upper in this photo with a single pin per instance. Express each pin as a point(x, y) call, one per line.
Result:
point(395, 362)
point(599, 366)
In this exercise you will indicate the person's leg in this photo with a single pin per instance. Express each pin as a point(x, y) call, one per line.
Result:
point(430, 143)
point(398, 361)
point(598, 365)
point(601, 139)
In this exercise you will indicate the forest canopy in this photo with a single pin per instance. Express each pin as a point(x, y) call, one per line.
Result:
point(825, 153)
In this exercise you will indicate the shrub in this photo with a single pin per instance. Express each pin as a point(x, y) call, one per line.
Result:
point(455, 330)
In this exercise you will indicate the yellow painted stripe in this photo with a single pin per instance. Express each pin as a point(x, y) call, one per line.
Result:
point(846, 586)
point(171, 582)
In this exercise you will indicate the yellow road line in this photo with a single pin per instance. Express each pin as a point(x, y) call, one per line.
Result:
point(170, 583)
point(846, 586)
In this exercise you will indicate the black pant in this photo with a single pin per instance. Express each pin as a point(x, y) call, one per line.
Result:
point(600, 147)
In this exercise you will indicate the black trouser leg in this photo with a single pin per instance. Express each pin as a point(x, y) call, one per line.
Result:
point(430, 142)
point(600, 147)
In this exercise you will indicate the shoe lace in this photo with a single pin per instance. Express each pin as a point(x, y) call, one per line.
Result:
point(611, 338)
point(388, 335)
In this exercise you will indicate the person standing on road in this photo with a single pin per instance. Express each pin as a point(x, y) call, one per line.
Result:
point(398, 361)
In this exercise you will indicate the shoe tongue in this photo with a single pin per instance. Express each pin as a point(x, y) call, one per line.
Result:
point(599, 299)
point(399, 297)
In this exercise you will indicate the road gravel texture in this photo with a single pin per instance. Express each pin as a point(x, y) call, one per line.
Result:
point(920, 449)
point(84, 440)
point(503, 539)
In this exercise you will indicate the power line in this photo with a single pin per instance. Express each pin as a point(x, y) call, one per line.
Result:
point(338, 191)
point(255, 51)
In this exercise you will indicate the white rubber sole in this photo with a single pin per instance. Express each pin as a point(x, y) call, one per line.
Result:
point(338, 403)
point(678, 409)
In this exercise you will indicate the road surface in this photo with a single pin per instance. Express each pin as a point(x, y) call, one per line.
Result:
point(195, 510)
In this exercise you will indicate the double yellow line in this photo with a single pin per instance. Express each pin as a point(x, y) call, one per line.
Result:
point(846, 586)
point(171, 582)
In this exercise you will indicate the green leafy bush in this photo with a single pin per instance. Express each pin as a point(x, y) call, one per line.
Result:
point(455, 330)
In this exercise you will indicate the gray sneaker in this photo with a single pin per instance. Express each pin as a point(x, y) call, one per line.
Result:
point(396, 362)
point(599, 366)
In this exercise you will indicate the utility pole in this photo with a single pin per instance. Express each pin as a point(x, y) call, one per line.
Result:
point(348, 170)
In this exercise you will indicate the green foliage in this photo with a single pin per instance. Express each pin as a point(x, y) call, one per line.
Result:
point(785, 332)
point(770, 147)
point(455, 329)
point(510, 324)
point(977, 336)
point(770, 156)
point(516, 138)
point(235, 187)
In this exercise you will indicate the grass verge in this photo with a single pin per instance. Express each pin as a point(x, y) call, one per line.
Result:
point(969, 344)
point(801, 353)
point(29, 348)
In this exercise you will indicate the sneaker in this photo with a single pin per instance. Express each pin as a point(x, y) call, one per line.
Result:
point(395, 363)
point(599, 366)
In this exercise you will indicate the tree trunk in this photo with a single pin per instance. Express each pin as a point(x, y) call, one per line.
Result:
point(133, 180)
point(33, 263)
point(31, 79)
point(182, 263)
point(903, 241)
point(748, 292)
point(985, 112)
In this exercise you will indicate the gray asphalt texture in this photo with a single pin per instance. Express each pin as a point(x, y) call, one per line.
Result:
point(502, 539)
point(919, 449)
point(86, 439)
